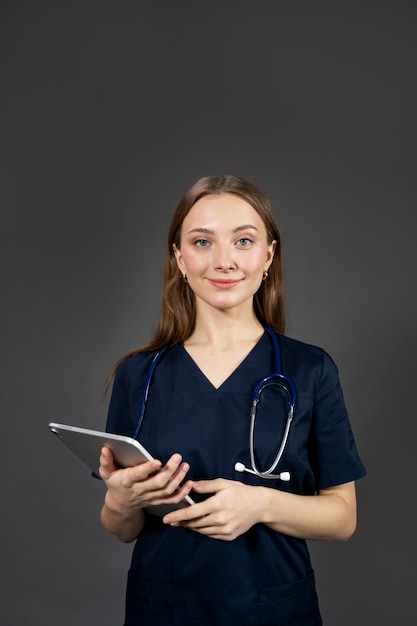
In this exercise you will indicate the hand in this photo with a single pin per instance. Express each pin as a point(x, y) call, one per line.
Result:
point(229, 512)
point(144, 485)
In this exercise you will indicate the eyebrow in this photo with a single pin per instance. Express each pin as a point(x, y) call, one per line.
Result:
point(211, 232)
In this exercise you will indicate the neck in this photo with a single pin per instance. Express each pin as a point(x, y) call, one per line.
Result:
point(224, 330)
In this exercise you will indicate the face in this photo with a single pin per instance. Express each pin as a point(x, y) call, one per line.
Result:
point(224, 251)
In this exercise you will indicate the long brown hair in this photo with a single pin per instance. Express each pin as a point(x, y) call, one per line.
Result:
point(178, 309)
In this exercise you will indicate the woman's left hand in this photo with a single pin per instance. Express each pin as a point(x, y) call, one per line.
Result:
point(229, 512)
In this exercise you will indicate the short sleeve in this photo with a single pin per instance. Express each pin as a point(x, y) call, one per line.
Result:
point(335, 455)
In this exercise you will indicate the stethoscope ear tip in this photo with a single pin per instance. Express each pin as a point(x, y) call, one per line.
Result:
point(239, 467)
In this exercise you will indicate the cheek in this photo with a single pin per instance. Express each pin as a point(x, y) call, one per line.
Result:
point(193, 261)
point(256, 261)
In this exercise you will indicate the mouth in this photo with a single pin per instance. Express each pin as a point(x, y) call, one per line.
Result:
point(219, 283)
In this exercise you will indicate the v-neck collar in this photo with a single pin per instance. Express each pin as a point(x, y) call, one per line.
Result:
point(232, 374)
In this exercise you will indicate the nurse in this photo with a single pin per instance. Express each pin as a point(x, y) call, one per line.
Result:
point(238, 556)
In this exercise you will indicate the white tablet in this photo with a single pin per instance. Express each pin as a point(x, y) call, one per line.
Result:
point(128, 452)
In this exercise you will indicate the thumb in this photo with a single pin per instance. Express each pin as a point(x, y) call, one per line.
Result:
point(107, 466)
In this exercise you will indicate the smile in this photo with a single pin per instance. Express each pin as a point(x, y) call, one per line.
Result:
point(223, 284)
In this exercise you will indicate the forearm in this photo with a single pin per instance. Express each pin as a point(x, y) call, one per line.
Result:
point(126, 524)
point(329, 516)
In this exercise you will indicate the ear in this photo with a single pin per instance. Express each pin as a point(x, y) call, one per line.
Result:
point(270, 254)
point(179, 259)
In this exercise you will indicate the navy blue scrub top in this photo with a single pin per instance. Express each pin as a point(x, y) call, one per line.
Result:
point(179, 577)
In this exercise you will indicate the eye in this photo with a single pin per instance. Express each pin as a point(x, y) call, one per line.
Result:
point(244, 242)
point(201, 243)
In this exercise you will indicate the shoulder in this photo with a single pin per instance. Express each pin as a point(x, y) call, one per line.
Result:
point(300, 349)
point(134, 367)
point(306, 359)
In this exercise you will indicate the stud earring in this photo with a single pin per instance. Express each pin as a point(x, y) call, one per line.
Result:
point(184, 277)
point(265, 275)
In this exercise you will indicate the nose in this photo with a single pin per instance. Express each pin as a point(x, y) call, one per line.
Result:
point(223, 258)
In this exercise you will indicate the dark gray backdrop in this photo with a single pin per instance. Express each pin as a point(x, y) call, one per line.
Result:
point(109, 110)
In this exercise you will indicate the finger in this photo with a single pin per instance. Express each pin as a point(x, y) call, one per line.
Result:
point(171, 475)
point(106, 455)
point(210, 486)
point(151, 479)
point(210, 525)
point(107, 466)
point(130, 475)
point(165, 497)
point(187, 514)
point(141, 472)
point(172, 465)
point(166, 485)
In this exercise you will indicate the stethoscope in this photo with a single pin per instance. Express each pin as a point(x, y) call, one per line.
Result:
point(277, 378)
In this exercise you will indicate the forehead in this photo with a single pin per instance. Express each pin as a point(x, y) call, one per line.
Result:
point(222, 211)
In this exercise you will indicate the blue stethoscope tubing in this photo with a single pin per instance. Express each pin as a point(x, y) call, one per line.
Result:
point(146, 389)
point(277, 377)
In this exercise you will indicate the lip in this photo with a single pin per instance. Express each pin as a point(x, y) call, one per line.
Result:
point(222, 283)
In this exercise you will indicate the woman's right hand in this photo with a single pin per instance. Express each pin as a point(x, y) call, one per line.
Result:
point(131, 489)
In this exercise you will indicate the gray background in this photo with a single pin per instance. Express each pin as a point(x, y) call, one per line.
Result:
point(108, 112)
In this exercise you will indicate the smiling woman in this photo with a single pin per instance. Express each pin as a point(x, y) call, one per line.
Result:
point(224, 253)
point(195, 386)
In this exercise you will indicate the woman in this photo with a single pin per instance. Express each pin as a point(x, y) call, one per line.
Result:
point(239, 554)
